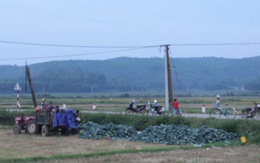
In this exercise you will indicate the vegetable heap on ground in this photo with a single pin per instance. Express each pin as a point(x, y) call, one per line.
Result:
point(163, 134)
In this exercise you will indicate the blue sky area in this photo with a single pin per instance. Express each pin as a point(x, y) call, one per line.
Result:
point(40, 30)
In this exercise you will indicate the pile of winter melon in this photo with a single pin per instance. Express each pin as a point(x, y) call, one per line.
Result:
point(163, 134)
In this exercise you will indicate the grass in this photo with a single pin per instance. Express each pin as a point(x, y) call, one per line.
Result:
point(34, 148)
point(96, 154)
point(13, 146)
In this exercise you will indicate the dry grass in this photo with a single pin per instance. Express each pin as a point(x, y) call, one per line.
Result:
point(24, 145)
point(243, 154)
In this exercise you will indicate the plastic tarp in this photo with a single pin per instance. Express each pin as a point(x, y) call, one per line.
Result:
point(64, 119)
point(71, 119)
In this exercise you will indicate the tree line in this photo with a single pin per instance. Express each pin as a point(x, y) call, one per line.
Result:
point(135, 74)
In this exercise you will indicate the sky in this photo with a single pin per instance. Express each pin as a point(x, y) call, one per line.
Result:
point(36, 31)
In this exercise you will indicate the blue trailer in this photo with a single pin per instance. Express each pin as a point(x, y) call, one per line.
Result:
point(47, 122)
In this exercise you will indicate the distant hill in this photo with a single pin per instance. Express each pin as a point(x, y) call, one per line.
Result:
point(138, 74)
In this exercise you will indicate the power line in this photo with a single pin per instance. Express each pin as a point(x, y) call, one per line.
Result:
point(74, 46)
point(218, 44)
point(121, 48)
point(118, 47)
point(81, 54)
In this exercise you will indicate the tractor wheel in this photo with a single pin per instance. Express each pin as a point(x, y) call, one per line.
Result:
point(45, 130)
point(31, 127)
point(17, 129)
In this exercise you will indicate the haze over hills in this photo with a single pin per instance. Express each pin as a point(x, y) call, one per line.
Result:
point(138, 74)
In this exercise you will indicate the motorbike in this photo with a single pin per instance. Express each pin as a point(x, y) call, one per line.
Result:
point(142, 108)
point(155, 109)
point(253, 112)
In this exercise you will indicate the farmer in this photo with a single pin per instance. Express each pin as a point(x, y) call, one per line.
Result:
point(57, 110)
point(43, 104)
point(76, 116)
point(51, 107)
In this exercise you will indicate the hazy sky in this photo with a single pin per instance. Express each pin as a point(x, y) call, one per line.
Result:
point(130, 23)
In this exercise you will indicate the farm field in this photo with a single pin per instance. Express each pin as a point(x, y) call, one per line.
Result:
point(32, 148)
point(56, 148)
point(116, 104)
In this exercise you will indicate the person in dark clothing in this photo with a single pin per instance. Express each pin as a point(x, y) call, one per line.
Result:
point(76, 116)
point(51, 107)
point(77, 120)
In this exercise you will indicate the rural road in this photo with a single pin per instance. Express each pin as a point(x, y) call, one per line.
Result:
point(184, 114)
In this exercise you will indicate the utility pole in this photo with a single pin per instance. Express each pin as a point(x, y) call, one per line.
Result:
point(28, 75)
point(168, 79)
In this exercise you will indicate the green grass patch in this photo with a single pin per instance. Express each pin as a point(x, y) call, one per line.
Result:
point(107, 153)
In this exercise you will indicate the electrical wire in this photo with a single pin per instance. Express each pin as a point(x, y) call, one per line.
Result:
point(81, 54)
point(218, 44)
point(116, 47)
point(121, 48)
point(74, 46)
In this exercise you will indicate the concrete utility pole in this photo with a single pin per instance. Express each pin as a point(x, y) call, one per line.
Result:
point(168, 79)
point(28, 75)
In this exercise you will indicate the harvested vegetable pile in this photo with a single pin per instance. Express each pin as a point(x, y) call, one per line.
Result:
point(91, 130)
point(163, 134)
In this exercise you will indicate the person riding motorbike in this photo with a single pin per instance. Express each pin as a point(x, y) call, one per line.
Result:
point(158, 109)
point(131, 105)
point(250, 113)
point(135, 108)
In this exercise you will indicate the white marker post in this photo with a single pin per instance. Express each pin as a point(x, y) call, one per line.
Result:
point(94, 107)
point(217, 99)
point(17, 88)
point(203, 109)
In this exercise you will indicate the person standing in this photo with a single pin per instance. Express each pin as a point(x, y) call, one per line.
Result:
point(51, 107)
point(43, 104)
point(175, 105)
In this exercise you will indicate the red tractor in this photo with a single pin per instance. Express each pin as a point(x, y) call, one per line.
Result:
point(46, 122)
point(26, 123)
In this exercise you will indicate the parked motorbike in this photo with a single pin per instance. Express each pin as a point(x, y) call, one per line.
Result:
point(253, 112)
point(155, 109)
point(142, 108)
